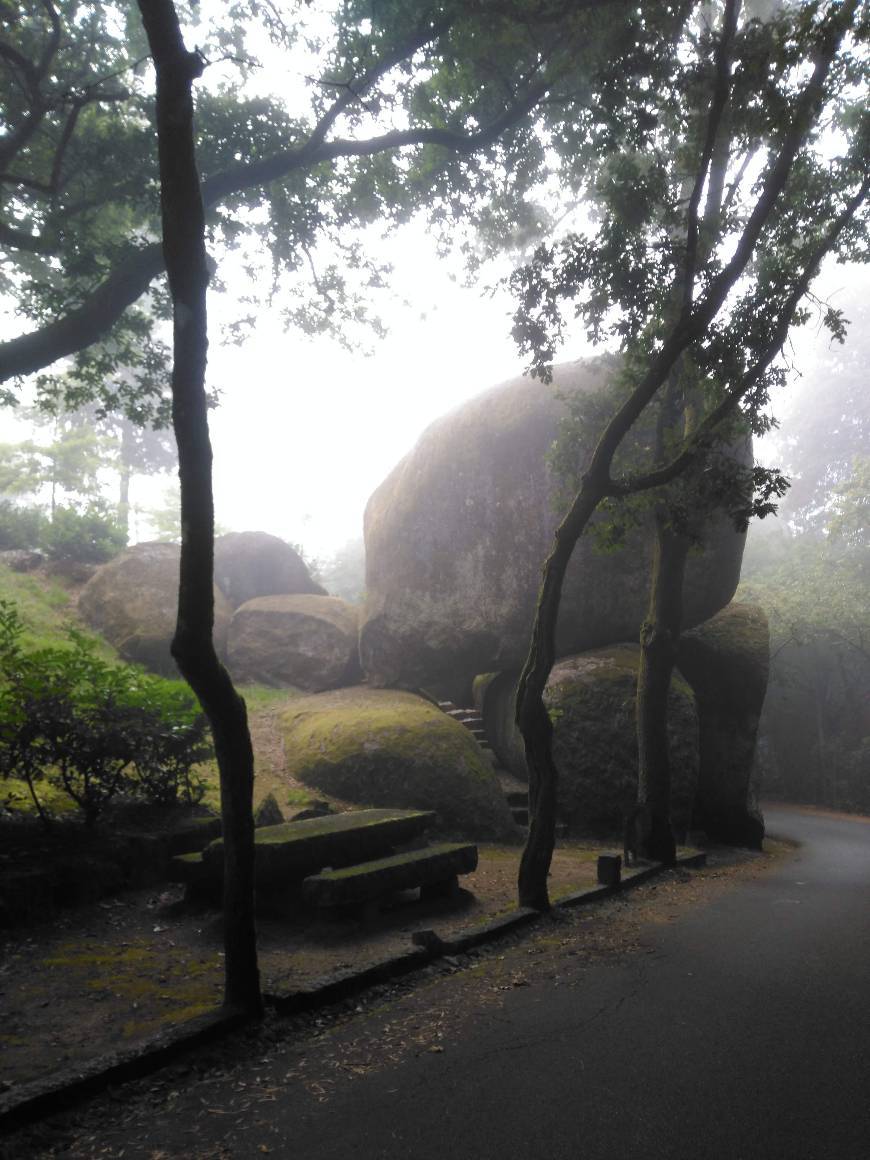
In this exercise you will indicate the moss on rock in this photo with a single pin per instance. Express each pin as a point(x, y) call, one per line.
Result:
point(306, 641)
point(591, 701)
point(380, 747)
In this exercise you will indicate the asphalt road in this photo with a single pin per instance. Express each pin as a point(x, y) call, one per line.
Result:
point(742, 1034)
point(745, 1035)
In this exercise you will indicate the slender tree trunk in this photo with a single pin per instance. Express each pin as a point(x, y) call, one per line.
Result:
point(659, 638)
point(124, 474)
point(532, 717)
point(193, 646)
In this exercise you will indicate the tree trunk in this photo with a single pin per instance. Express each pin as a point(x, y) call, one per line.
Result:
point(125, 472)
point(193, 646)
point(659, 638)
point(532, 718)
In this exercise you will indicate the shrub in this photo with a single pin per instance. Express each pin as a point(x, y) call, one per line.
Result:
point(20, 526)
point(93, 728)
point(91, 536)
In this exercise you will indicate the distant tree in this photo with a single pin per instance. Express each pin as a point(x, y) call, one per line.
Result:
point(344, 573)
point(825, 417)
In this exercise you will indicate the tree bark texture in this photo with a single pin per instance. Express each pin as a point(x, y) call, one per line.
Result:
point(659, 640)
point(193, 647)
point(532, 717)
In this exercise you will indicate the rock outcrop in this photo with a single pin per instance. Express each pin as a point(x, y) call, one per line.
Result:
point(132, 601)
point(457, 533)
point(726, 661)
point(379, 747)
point(251, 564)
point(309, 642)
point(591, 700)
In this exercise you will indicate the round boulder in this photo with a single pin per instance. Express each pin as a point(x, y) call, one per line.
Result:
point(133, 601)
point(726, 661)
point(591, 701)
point(306, 641)
point(379, 747)
point(251, 564)
point(457, 534)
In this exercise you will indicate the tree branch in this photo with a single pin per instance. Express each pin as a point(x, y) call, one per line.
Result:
point(721, 90)
point(706, 432)
point(88, 322)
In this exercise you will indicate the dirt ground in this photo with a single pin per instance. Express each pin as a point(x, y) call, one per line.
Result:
point(319, 1052)
point(107, 976)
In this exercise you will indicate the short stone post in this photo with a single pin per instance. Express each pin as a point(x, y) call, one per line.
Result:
point(609, 869)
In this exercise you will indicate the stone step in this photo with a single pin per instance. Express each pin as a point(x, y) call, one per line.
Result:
point(434, 866)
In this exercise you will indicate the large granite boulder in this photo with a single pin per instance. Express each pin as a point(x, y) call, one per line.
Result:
point(306, 641)
point(132, 601)
point(726, 661)
point(457, 533)
point(591, 701)
point(379, 747)
point(251, 564)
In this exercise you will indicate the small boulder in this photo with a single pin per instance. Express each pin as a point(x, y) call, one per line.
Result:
point(379, 747)
point(309, 642)
point(268, 812)
point(22, 559)
point(726, 661)
point(133, 600)
point(252, 564)
point(591, 701)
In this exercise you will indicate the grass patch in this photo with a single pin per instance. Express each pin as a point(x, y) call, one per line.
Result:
point(46, 609)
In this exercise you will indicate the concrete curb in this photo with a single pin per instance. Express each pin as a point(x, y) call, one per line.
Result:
point(42, 1098)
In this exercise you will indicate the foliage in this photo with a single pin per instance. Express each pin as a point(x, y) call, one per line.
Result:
point(88, 536)
point(428, 106)
point(21, 525)
point(92, 728)
point(815, 589)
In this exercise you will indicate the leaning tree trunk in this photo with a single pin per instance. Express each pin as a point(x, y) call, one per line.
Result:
point(531, 714)
point(659, 639)
point(193, 645)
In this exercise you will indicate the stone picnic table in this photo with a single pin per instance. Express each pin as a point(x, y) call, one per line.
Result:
point(286, 854)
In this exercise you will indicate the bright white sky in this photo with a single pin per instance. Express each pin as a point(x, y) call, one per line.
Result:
point(306, 431)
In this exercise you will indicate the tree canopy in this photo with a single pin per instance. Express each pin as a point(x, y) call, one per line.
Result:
point(432, 105)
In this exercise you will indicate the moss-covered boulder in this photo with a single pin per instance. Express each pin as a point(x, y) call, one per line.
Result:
point(726, 661)
point(456, 535)
point(132, 601)
point(377, 747)
point(591, 700)
point(251, 564)
point(306, 641)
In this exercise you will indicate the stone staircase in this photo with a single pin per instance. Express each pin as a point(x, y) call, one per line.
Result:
point(515, 791)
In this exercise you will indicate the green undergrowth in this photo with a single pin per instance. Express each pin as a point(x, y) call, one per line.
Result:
point(46, 609)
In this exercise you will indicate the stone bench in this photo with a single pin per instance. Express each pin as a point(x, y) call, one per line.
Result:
point(286, 853)
point(434, 869)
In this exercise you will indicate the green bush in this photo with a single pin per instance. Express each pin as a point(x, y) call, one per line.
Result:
point(94, 729)
point(20, 526)
point(90, 536)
